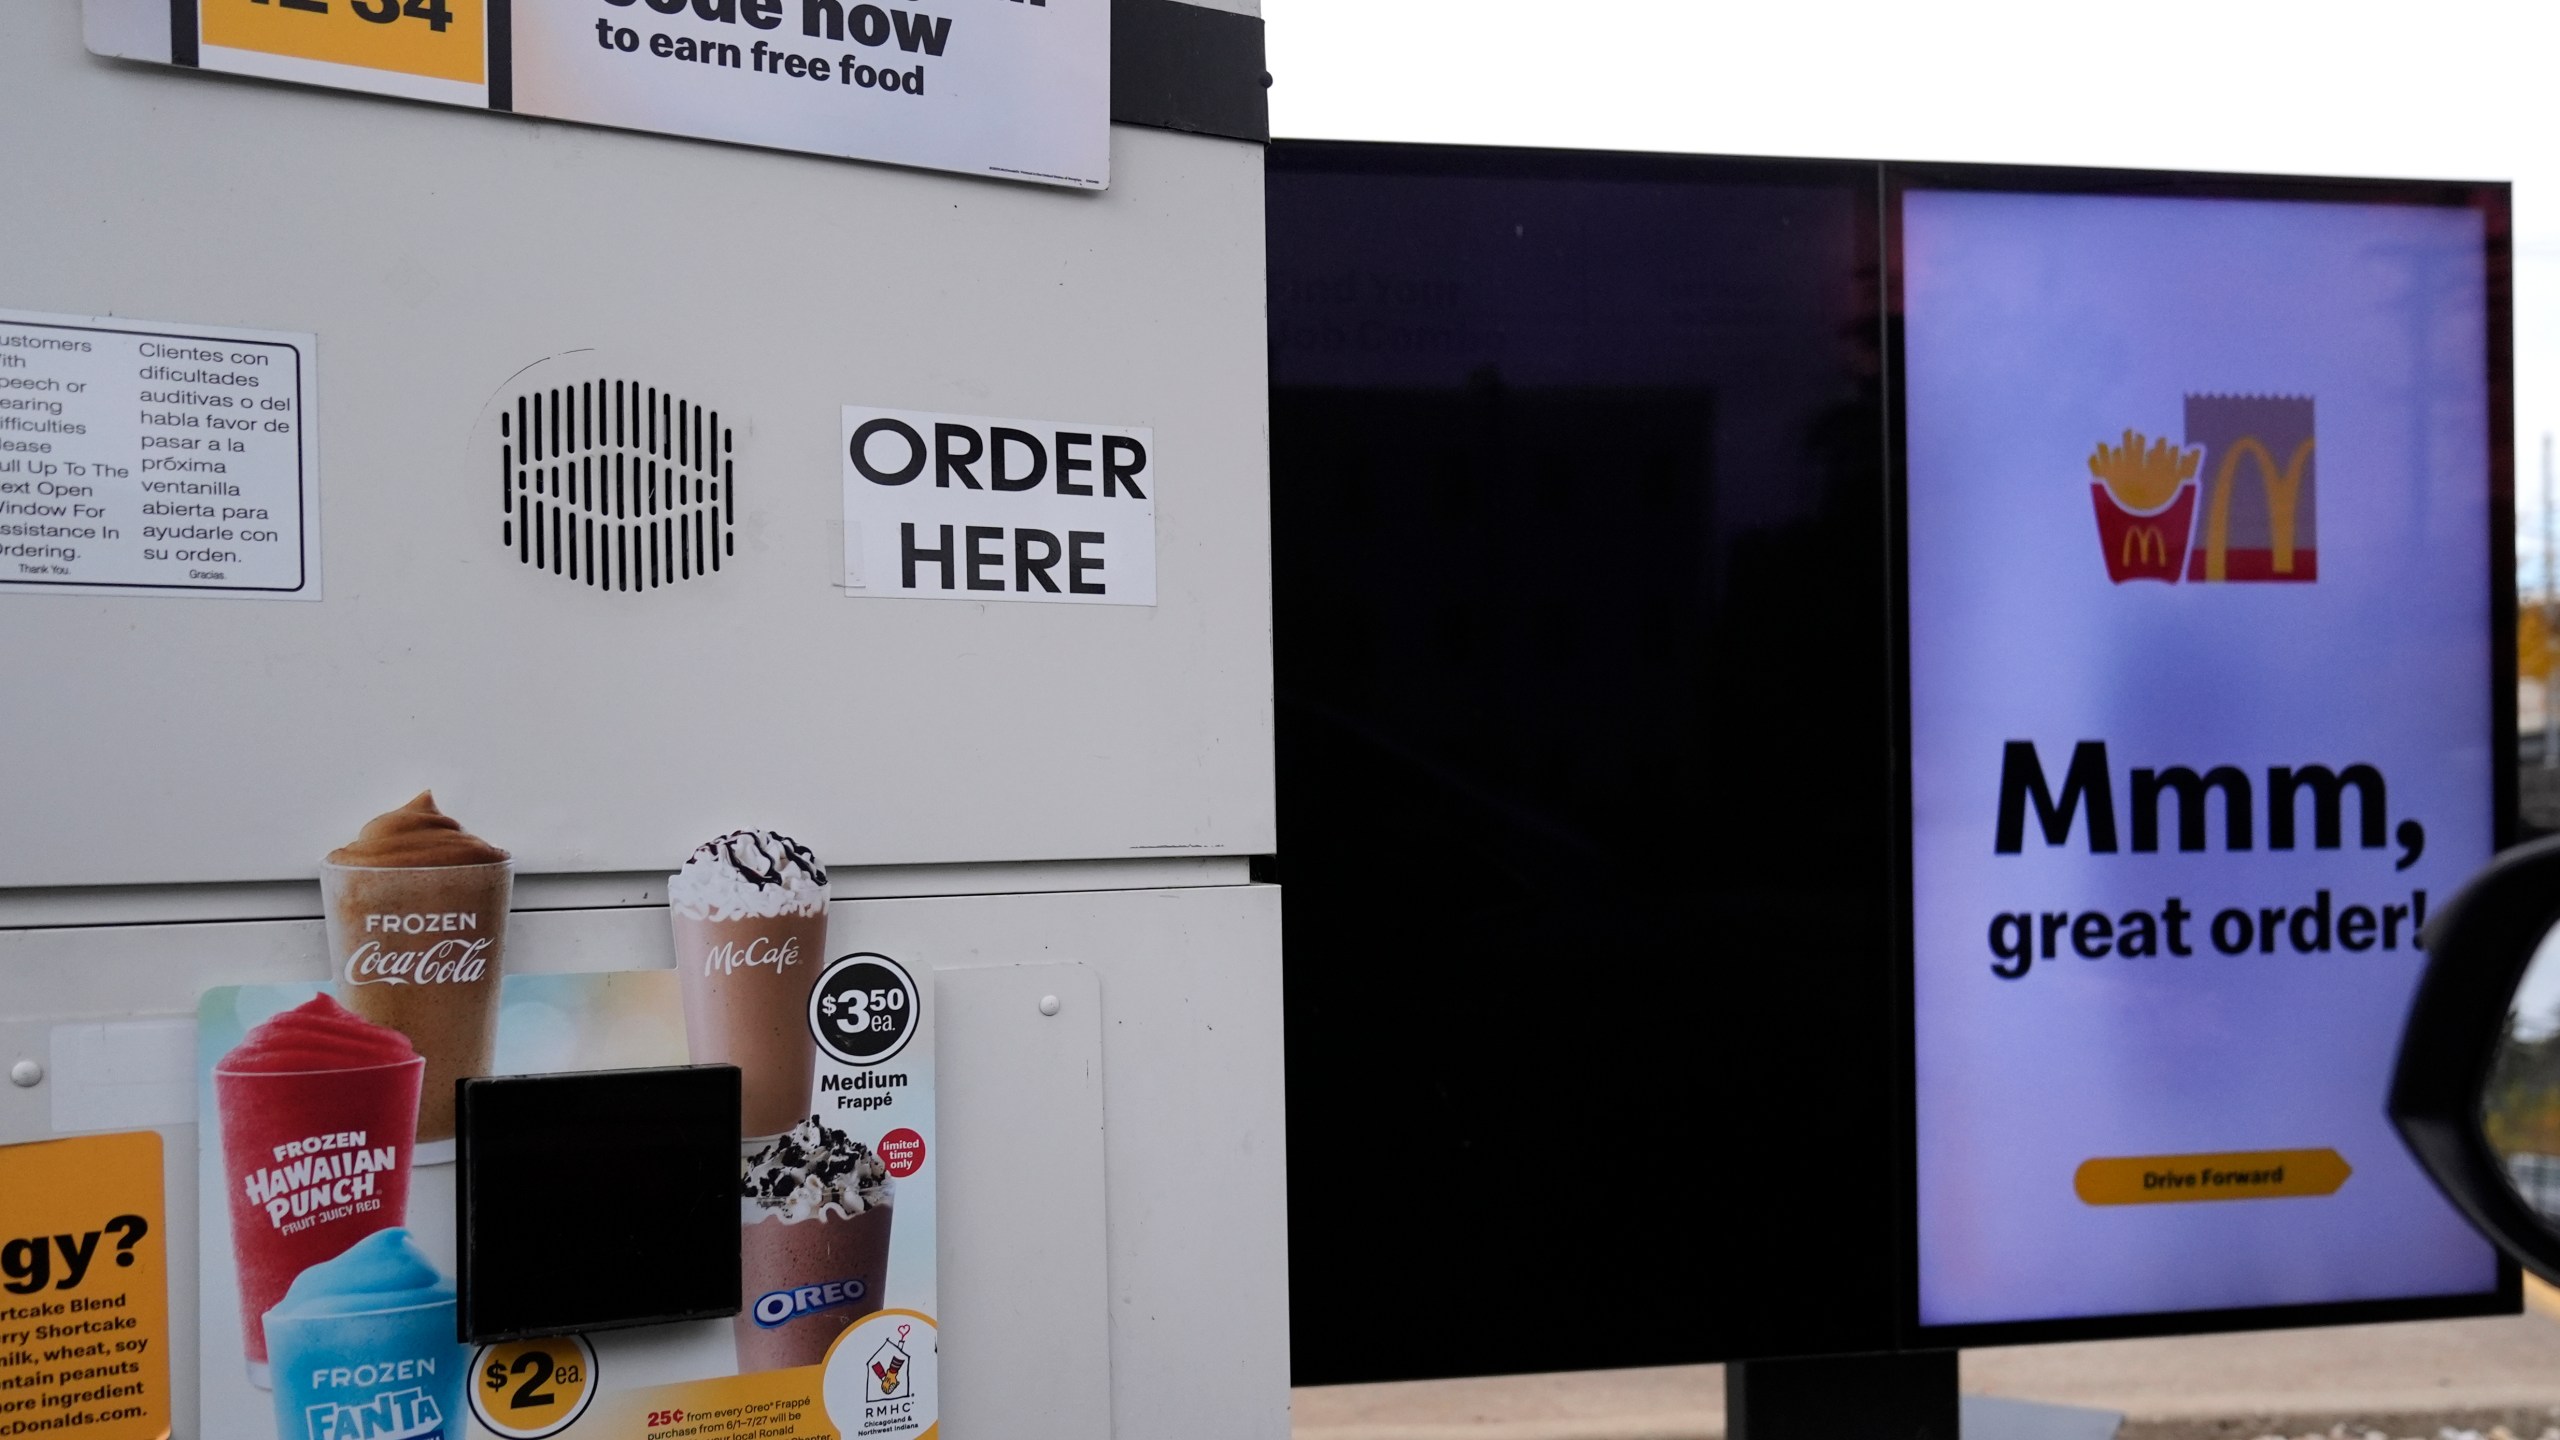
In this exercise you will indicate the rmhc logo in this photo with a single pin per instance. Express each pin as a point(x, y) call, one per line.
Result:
point(2147, 499)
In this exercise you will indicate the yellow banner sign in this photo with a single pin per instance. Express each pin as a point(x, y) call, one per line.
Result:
point(84, 1289)
point(431, 39)
point(2234, 1175)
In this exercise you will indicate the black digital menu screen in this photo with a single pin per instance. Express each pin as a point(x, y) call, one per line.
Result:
point(1584, 773)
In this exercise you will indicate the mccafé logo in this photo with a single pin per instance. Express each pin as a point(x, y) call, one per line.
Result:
point(728, 958)
point(2234, 502)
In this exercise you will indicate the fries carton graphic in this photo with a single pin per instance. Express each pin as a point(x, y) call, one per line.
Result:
point(2146, 502)
point(2234, 502)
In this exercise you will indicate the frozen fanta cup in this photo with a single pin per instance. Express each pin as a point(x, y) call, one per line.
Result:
point(364, 1348)
point(319, 1120)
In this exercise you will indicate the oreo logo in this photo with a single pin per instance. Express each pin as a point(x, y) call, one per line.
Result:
point(618, 483)
point(781, 1307)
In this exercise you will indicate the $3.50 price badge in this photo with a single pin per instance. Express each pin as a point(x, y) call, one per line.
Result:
point(526, 1389)
point(863, 1008)
point(430, 39)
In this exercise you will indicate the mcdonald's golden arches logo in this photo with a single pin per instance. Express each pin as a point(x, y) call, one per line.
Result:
point(2235, 501)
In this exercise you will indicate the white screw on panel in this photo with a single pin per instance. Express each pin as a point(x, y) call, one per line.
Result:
point(1049, 1005)
point(29, 1072)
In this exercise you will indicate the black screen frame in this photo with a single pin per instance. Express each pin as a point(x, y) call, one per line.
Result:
point(2492, 201)
point(1889, 182)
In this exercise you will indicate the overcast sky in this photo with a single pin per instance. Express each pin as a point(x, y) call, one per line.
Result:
point(2459, 90)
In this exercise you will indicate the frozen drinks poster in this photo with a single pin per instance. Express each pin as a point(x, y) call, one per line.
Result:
point(327, 1299)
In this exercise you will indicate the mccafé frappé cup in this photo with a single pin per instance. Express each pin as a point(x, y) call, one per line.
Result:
point(417, 916)
point(319, 1111)
point(750, 914)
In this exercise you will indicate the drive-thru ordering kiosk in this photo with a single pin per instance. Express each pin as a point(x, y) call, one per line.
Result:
point(1858, 753)
point(636, 424)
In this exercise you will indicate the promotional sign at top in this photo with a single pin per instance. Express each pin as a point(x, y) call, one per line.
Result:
point(2200, 547)
point(1020, 91)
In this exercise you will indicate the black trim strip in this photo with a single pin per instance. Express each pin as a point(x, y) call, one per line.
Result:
point(182, 32)
point(502, 55)
point(2471, 971)
point(1178, 66)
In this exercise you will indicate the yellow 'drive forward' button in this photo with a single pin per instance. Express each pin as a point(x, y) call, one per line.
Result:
point(2241, 1175)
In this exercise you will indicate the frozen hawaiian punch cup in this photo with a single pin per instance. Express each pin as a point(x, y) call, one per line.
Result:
point(417, 912)
point(319, 1115)
point(750, 913)
point(814, 1246)
point(365, 1346)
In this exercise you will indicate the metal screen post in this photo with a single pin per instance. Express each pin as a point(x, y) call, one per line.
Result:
point(1853, 1397)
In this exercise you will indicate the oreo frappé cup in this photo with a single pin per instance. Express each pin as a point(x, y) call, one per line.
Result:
point(417, 918)
point(750, 917)
point(814, 1247)
point(319, 1109)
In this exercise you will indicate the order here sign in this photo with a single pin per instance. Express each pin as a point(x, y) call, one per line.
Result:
point(970, 507)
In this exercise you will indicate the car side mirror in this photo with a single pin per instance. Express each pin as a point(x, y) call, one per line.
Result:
point(2477, 1091)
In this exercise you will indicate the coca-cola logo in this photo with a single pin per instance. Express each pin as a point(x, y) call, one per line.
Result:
point(729, 957)
point(446, 962)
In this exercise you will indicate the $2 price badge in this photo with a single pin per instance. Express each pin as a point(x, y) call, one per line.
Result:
point(429, 39)
point(526, 1389)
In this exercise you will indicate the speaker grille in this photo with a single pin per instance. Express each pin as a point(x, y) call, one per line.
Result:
point(617, 483)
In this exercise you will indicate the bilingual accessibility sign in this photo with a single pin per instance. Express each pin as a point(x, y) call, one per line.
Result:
point(1018, 91)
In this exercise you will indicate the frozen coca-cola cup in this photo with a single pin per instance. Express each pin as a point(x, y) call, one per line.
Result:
point(417, 918)
point(750, 916)
point(319, 1111)
point(814, 1245)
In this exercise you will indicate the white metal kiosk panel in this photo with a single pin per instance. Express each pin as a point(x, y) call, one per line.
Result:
point(435, 255)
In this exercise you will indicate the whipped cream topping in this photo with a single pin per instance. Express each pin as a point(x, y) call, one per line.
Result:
point(809, 1172)
point(749, 874)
